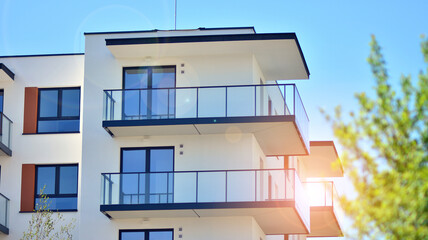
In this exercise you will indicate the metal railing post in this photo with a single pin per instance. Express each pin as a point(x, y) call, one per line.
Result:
point(225, 186)
point(197, 102)
point(197, 186)
point(226, 102)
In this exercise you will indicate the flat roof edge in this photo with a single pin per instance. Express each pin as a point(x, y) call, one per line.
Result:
point(201, 38)
point(42, 55)
point(211, 38)
point(157, 30)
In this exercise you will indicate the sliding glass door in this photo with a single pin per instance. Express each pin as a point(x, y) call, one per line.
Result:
point(146, 179)
point(147, 94)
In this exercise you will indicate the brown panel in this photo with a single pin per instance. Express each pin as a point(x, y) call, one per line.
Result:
point(30, 109)
point(27, 187)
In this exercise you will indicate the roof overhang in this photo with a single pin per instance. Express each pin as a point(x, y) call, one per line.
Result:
point(6, 75)
point(278, 54)
point(319, 163)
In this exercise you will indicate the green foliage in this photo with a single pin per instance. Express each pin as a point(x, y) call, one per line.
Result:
point(44, 223)
point(385, 145)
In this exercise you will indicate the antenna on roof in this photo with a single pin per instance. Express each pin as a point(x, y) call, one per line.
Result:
point(175, 16)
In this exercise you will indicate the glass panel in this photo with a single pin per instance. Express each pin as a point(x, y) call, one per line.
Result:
point(129, 191)
point(68, 180)
point(184, 187)
point(70, 102)
point(134, 160)
point(131, 105)
point(145, 110)
point(1, 100)
point(241, 101)
point(5, 127)
point(211, 102)
point(160, 235)
point(186, 102)
point(142, 187)
point(159, 103)
point(133, 185)
point(69, 203)
point(163, 77)
point(46, 126)
point(48, 103)
point(4, 211)
point(159, 188)
point(132, 235)
point(135, 78)
point(161, 160)
point(212, 187)
point(241, 186)
point(46, 179)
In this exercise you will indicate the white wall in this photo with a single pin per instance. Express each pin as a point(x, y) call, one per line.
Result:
point(227, 228)
point(48, 71)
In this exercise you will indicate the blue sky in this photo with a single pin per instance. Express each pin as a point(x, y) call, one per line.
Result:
point(334, 35)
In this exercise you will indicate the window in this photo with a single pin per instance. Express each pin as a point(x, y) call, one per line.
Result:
point(150, 92)
point(59, 184)
point(58, 110)
point(146, 179)
point(153, 234)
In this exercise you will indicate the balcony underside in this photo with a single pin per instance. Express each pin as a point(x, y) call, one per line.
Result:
point(4, 229)
point(320, 163)
point(277, 135)
point(276, 217)
point(324, 223)
point(6, 75)
point(4, 150)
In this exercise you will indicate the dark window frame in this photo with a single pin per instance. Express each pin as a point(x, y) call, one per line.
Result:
point(57, 184)
point(59, 109)
point(147, 155)
point(148, 159)
point(149, 84)
point(146, 232)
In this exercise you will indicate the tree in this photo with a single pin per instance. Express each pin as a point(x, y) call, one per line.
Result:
point(385, 155)
point(44, 223)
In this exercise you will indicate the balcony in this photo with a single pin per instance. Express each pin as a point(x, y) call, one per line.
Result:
point(273, 113)
point(323, 160)
point(5, 132)
point(4, 214)
point(6, 75)
point(274, 197)
point(326, 214)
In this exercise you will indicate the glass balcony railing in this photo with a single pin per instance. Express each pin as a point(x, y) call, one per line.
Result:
point(264, 185)
point(207, 102)
point(4, 213)
point(5, 132)
point(324, 194)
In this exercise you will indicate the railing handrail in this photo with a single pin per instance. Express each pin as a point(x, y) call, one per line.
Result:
point(204, 171)
point(4, 197)
point(197, 87)
point(4, 115)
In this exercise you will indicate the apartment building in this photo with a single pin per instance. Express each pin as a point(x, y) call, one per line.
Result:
point(163, 135)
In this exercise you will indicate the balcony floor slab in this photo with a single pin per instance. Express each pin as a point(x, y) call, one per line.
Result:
point(324, 222)
point(273, 217)
point(277, 135)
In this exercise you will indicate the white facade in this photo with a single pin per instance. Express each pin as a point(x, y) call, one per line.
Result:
point(43, 72)
point(268, 126)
